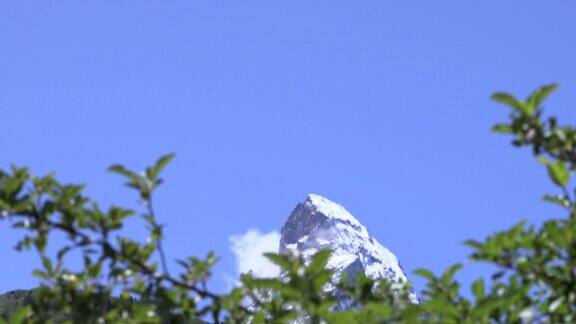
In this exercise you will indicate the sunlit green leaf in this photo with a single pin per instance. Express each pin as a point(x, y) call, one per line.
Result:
point(160, 165)
point(558, 173)
point(478, 288)
point(539, 95)
point(424, 273)
point(508, 100)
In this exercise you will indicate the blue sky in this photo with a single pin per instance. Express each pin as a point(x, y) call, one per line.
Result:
point(381, 106)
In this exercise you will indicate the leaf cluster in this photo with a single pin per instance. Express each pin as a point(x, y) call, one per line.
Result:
point(124, 280)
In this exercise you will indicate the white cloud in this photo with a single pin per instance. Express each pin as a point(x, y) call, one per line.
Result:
point(248, 249)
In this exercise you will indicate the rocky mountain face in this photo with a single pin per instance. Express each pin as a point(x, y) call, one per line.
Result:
point(319, 223)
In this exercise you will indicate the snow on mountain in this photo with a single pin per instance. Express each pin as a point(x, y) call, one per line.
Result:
point(320, 223)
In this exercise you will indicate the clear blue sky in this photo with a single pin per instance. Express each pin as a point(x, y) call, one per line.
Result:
point(381, 106)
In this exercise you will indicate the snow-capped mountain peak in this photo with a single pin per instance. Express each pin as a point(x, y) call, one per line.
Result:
point(331, 209)
point(320, 223)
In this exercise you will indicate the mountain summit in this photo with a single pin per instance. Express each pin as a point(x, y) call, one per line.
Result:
point(320, 223)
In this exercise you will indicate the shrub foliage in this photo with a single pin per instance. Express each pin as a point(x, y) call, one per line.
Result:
point(120, 279)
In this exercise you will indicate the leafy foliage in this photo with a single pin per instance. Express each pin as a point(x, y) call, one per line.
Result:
point(124, 280)
point(10, 302)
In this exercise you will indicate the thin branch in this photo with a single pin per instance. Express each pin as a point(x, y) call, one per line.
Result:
point(159, 239)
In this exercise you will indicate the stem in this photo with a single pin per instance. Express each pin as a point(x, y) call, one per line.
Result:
point(159, 239)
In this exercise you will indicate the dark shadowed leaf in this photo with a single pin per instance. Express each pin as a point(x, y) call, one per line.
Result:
point(502, 128)
point(558, 200)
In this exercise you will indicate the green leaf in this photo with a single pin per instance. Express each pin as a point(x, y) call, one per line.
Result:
point(259, 318)
point(448, 275)
point(39, 274)
point(539, 95)
point(279, 259)
point(122, 170)
point(21, 315)
point(478, 288)
point(486, 305)
point(558, 173)
point(162, 162)
point(502, 128)
point(425, 273)
point(47, 263)
point(558, 200)
point(269, 283)
point(473, 244)
point(319, 260)
point(344, 317)
point(508, 100)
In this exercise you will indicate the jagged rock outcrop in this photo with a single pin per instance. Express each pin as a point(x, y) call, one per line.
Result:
point(320, 223)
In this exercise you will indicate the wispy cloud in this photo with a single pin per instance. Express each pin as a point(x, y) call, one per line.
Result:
point(248, 249)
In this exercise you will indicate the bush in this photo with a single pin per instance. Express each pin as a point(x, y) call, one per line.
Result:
point(121, 280)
